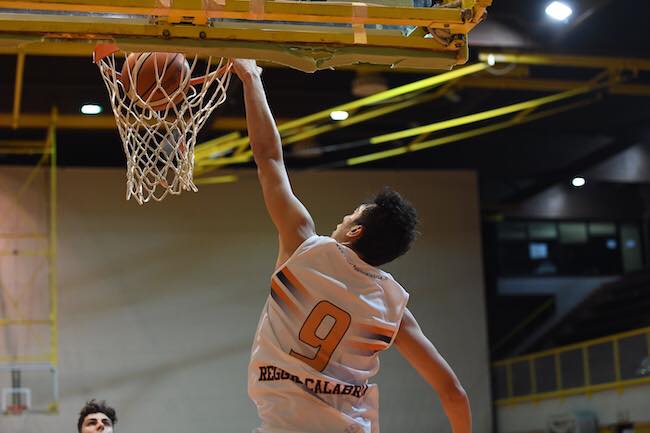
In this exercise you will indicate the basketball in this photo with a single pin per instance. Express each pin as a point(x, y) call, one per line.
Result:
point(161, 79)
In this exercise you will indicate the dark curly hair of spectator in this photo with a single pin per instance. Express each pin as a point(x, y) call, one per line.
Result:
point(94, 406)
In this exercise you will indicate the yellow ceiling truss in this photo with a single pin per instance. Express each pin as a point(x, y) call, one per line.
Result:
point(73, 27)
point(609, 79)
point(305, 126)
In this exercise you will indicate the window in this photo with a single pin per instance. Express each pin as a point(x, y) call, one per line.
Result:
point(536, 248)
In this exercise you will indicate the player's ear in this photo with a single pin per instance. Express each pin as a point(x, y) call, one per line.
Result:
point(355, 232)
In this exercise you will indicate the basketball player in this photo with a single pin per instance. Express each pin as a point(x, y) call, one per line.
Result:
point(96, 417)
point(331, 310)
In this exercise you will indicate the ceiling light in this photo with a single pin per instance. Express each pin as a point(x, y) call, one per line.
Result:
point(491, 60)
point(578, 182)
point(559, 11)
point(91, 109)
point(339, 115)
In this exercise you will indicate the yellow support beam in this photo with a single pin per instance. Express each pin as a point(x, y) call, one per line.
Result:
point(388, 94)
point(573, 391)
point(213, 180)
point(22, 147)
point(26, 253)
point(205, 165)
point(19, 151)
point(485, 115)
point(18, 89)
point(460, 136)
point(362, 117)
point(547, 85)
point(31, 359)
point(463, 135)
point(627, 64)
point(23, 235)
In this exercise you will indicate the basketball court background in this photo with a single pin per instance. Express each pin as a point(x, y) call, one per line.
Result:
point(158, 304)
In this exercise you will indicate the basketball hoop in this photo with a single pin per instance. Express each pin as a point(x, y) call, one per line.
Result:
point(159, 122)
point(15, 401)
point(15, 409)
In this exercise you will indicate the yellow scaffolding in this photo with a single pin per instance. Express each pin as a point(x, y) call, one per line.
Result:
point(47, 357)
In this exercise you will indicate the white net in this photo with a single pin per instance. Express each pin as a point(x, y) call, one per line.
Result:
point(159, 121)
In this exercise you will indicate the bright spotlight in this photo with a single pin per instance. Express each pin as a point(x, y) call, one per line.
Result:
point(91, 109)
point(491, 60)
point(339, 115)
point(578, 182)
point(559, 11)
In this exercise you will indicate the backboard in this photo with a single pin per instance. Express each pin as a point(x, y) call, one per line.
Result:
point(301, 34)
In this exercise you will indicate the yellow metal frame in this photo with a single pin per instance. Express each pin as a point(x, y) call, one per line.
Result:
point(148, 25)
point(18, 88)
point(611, 63)
point(545, 85)
point(618, 384)
point(48, 359)
point(458, 20)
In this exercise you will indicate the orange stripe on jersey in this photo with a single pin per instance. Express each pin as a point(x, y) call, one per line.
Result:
point(283, 297)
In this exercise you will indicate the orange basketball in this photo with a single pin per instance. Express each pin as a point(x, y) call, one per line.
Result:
point(161, 79)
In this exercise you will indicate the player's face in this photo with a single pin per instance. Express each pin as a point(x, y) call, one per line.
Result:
point(97, 422)
point(349, 221)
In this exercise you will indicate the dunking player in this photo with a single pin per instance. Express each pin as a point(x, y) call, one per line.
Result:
point(331, 311)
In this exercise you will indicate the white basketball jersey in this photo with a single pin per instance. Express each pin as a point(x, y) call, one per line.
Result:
point(327, 317)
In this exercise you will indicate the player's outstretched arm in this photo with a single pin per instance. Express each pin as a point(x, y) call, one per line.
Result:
point(423, 356)
point(291, 218)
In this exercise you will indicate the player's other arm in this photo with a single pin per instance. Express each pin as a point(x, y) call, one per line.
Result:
point(423, 356)
point(291, 218)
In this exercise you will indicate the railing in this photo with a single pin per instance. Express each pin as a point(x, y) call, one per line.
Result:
point(613, 362)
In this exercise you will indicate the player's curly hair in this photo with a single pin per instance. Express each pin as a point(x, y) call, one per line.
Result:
point(389, 224)
point(94, 406)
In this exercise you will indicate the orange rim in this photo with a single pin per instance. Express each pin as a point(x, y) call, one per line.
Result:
point(16, 409)
point(102, 51)
point(220, 73)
